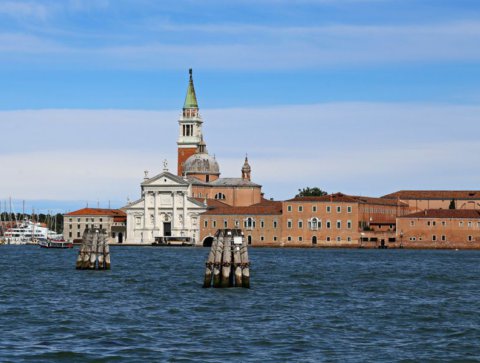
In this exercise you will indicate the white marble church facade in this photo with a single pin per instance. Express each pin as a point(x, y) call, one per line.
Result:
point(166, 212)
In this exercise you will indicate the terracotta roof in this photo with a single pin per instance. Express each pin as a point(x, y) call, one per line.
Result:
point(268, 208)
point(434, 194)
point(381, 201)
point(445, 213)
point(343, 198)
point(97, 212)
point(268, 201)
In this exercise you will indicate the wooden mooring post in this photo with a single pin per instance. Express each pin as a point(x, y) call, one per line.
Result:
point(94, 252)
point(227, 263)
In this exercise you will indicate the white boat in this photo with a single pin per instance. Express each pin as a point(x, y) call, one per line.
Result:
point(28, 233)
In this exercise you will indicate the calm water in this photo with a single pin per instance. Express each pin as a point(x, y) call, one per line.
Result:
point(305, 305)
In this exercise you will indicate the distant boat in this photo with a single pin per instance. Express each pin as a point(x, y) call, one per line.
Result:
point(173, 241)
point(55, 243)
point(29, 232)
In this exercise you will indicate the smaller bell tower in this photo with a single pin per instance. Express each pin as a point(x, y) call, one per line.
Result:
point(246, 170)
point(190, 127)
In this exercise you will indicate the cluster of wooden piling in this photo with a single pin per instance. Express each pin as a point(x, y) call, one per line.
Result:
point(227, 264)
point(94, 253)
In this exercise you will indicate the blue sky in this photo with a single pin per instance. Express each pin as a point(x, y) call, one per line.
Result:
point(359, 96)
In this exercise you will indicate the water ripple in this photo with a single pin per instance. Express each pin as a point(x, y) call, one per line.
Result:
point(304, 306)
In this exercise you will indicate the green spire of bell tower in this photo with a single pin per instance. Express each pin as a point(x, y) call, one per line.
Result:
point(191, 98)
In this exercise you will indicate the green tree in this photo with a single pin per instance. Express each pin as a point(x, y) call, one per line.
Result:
point(452, 204)
point(310, 192)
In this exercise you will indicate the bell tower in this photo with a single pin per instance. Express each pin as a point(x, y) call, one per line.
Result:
point(246, 170)
point(190, 127)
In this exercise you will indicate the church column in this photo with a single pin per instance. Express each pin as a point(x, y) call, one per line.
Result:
point(174, 216)
point(145, 210)
point(155, 212)
point(184, 209)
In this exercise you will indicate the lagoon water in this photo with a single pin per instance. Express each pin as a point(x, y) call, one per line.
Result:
point(305, 305)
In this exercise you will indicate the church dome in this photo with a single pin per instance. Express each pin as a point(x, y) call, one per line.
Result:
point(201, 163)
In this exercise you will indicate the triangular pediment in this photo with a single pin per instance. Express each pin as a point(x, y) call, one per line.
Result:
point(165, 179)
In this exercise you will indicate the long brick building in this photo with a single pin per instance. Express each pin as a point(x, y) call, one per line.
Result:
point(336, 220)
point(440, 228)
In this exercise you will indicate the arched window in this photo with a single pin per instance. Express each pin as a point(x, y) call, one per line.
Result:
point(220, 196)
point(314, 223)
point(249, 223)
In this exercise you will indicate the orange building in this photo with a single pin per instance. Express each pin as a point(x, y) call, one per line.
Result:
point(440, 228)
point(336, 220)
point(112, 220)
point(340, 220)
point(261, 223)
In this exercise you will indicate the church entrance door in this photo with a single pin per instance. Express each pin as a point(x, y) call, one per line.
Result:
point(167, 229)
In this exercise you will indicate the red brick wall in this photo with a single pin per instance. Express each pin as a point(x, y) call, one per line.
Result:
point(263, 234)
point(183, 155)
point(422, 230)
point(303, 211)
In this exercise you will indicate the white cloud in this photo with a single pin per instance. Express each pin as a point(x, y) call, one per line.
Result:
point(358, 148)
point(87, 174)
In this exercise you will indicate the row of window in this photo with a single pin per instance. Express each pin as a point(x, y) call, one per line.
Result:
point(445, 223)
point(86, 226)
point(262, 238)
point(373, 210)
point(315, 224)
point(314, 239)
point(79, 220)
point(442, 238)
point(248, 223)
point(190, 112)
point(328, 208)
point(187, 130)
point(220, 196)
point(300, 239)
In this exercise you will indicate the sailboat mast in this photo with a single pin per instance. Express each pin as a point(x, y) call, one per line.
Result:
point(2, 225)
point(33, 224)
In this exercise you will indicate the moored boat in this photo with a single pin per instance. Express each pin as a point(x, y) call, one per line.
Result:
point(60, 243)
point(29, 232)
